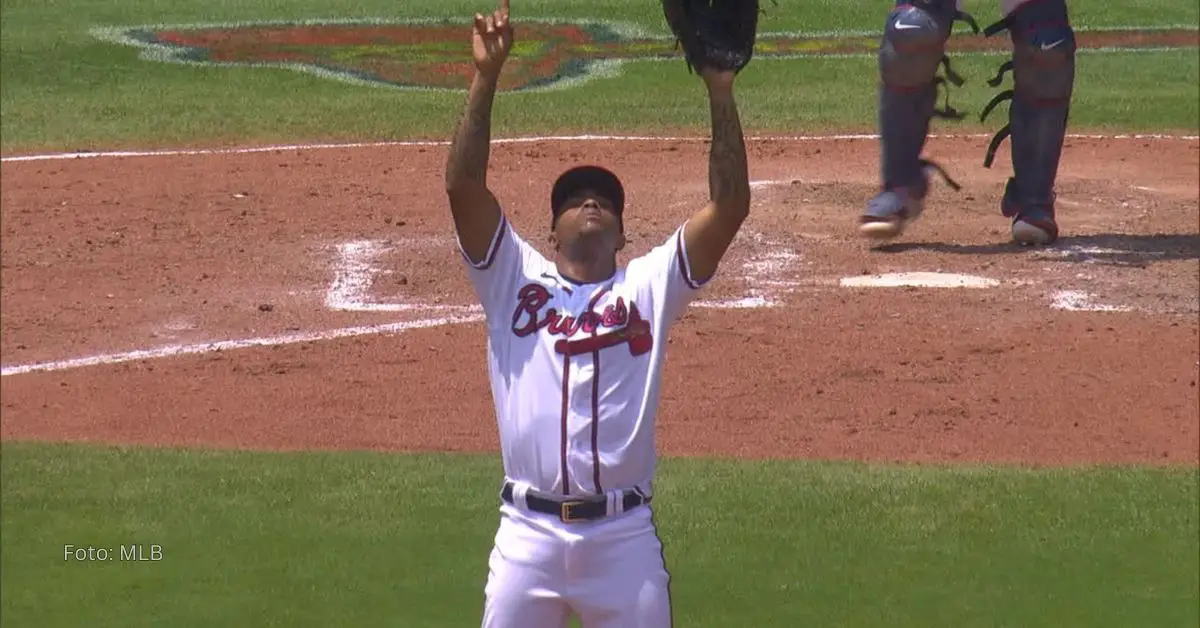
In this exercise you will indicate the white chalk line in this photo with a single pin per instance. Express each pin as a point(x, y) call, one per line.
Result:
point(1095, 254)
point(171, 351)
point(744, 303)
point(354, 273)
point(1079, 301)
point(349, 292)
point(1069, 300)
point(764, 273)
point(767, 183)
point(244, 150)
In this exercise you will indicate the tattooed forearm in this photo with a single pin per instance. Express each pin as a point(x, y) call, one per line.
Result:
point(468, 160)
point(728, 175)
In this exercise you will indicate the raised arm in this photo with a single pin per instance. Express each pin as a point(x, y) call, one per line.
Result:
point(710, 231)
point(475, 209)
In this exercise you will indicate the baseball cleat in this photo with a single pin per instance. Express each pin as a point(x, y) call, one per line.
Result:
point(891, 211)
point(1034, 232)
point(1031, 226)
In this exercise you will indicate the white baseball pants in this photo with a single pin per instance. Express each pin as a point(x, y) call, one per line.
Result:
point(610, 573)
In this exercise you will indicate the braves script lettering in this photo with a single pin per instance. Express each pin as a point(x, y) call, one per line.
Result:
point(532, 315)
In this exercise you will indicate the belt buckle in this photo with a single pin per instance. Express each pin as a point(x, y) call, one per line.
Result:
point(565, 511)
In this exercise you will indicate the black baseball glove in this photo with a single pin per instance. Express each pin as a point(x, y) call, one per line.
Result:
point(717, 34)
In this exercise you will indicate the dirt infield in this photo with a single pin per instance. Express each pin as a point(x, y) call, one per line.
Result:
point(1083, 352)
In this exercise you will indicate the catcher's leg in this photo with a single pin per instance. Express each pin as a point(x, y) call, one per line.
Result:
point(1043, 67)
point(912, 48)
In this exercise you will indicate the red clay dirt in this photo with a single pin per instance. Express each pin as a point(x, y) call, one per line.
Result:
point(110, 255)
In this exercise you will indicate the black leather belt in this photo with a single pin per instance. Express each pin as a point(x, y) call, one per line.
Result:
point(575, 510)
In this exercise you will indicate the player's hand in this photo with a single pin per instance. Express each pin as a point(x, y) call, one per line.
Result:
point(491, 40)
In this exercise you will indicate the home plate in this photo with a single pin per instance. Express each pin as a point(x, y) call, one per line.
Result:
point(918, 280)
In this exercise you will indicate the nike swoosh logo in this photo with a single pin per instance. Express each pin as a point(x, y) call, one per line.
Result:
point(1052, 44)
point(900, 26)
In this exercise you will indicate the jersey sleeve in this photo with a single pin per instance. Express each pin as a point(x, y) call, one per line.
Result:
point(666, 272)
point(497, 277)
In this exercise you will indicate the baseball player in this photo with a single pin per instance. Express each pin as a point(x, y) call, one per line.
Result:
point(1043, 67)
point(575, 350)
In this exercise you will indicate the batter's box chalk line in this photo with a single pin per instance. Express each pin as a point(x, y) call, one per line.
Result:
point(1100, 255)
point(355, 273)
point(1080, 301)
point(768, 272)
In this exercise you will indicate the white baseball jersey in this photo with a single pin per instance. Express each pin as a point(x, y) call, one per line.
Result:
point(575, 368)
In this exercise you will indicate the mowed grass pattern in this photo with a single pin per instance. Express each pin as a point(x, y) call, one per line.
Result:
point(322, 539)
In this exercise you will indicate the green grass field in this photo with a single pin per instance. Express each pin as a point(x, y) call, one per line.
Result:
point(65, 89)
point(374, 540)
point(319, 539)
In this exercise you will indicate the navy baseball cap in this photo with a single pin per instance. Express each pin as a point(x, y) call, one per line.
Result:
point(600, 180)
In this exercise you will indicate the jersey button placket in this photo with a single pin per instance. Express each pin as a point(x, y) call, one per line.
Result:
point(582, 459)
point(579, 446)
point(570, 418)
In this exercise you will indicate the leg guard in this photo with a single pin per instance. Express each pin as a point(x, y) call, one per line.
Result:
point(1043, 67)
point(913, 46)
